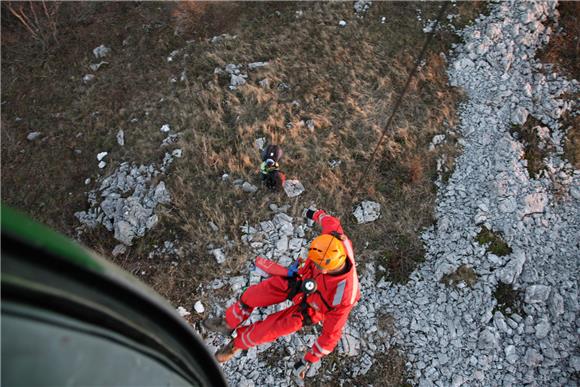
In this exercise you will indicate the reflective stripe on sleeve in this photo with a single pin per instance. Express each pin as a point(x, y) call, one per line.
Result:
point(320, 349)
point(246, 338)
point(339, 292)
point(354, 289)
point(243, 311)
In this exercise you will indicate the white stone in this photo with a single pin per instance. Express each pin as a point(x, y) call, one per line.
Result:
point(264, 83)
point(33, 136)
point(542, 329)
point(532, 358)
point(260, 143)
point(255, 65)
point(88, 78)
point(488, 339)
point(97, 66)
point(510, 354)
point(102, 164)
point(362, 6)
point(556, 304)
point(182, 311)
point(342, 23)
point(219, 255)
point(237, 80)
point(535, 203)
point(512, 270)
point(199, 308)
point(293, 188)
point(537, 294)
point(247, 187)
point(367, 211)
point(237, 283)
point(121, 137)
point(349, 345)
point(575, 191)
point(437, 140)
point(282, 244)
point(101, 51)
point(165, 128)
point(232, 68)
point(519, 116)
point(101, 155)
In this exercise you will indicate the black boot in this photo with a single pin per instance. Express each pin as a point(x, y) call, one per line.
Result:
point(217, 324)
point(226, 352)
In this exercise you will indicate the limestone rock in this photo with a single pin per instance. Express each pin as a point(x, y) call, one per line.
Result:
point(33, 136)
point(199, 308)
point(488, 339)
point(101, 51)
point(250, 188)
point(537, 294)
point(293, 188)
point(219, 255)
point(367, 211)
point(512, 270)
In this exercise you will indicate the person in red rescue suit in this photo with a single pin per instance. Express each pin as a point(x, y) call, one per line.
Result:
point(323, 289)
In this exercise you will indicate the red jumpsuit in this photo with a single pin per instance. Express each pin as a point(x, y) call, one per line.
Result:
point(330, 304)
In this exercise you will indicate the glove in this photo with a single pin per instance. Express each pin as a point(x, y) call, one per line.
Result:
point(293, 269)
point(300, 368)
point(310, 214)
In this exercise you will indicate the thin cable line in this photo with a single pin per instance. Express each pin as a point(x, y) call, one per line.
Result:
point(399, 101)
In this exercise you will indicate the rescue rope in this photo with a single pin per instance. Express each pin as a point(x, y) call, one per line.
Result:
point(398, 103)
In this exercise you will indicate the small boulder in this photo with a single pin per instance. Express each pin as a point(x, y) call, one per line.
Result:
point(519, 116)
point(293, 188)
point(199, 308)
point(219, 255)
point(255, 65)
point(33, 136)
point(367, 211)
point(182, 311)
point(88, 78)
point(101, 51)
point(536, 294)
point(250, 188)
point(121, 137)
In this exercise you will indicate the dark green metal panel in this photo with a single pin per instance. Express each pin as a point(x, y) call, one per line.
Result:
point(23, 228)
point(79, 354)
point(52, 287)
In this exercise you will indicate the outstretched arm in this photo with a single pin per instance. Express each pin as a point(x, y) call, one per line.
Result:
point(328, 222)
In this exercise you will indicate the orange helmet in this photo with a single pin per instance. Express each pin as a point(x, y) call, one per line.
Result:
point(327, 252)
